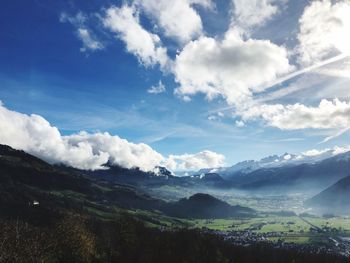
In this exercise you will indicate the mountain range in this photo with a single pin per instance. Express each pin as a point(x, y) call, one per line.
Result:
point(280, 173)
point(286, 172)
point(26, 181)
point(24, 178)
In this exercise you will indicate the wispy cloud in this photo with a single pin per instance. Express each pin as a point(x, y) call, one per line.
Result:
point(337, 134)
point(306, 70)
point(79, 22)
point(160, 88)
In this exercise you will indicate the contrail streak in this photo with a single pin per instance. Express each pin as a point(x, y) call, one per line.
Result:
point(295, 74)
point(308, 69)
point(339, 133)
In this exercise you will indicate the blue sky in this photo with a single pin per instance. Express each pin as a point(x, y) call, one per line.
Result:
point(74, 64)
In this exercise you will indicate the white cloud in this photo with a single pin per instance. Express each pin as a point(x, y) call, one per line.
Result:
point(335, 66)
point(160, 88)
point(340, 72)
point(78, 21)
point(34, 134)
point(120, 151)
point(212, 118)
point(326, 152)
point(177, 18)
point(191, 162)
point(144, 45)
point(233, 68)
point(314, 152)
point(324, 30)
point(340, 149)
point(249, 13)
point(89, 42)
point(240, 123)
point(217, 116)
point(186, 98)
point(327, 115)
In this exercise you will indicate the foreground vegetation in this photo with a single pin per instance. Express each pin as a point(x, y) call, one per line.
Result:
point(82, 238)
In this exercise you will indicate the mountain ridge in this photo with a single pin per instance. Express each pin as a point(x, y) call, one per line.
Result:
point(334, 199)
point(25, 179)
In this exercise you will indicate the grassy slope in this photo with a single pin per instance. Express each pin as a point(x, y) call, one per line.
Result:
point(292, 228)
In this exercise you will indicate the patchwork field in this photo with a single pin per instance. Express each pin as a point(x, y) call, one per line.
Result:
point(275, 228)
point(270, 222)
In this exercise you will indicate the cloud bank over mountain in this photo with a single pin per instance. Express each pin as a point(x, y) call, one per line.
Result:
point(34, 134)
point(193, 162)
point(90, 151)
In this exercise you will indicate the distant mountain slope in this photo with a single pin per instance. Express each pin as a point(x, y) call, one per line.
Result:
point(335, 199)
point(206, 206)
point(277, 173)
point(314, 176)
point(133, 176)
point(161, 176)
point(25, 179)
point(252, 165)
point(274, 161)
point(18, 167)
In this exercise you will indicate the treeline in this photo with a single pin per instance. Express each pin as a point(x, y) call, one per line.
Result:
point(78, 238)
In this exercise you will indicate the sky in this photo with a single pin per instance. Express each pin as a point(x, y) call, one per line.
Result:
point(187, 84)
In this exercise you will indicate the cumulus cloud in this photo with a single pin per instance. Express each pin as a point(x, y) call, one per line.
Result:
point(37, 136)
point(160, 88)
point(233, 68)
point(329, 114)
point(177, 18)
point(78, 21)
point(146, 46)
point(120, 151)
point(324, 30)
point(249, 13)
point(203, 159)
